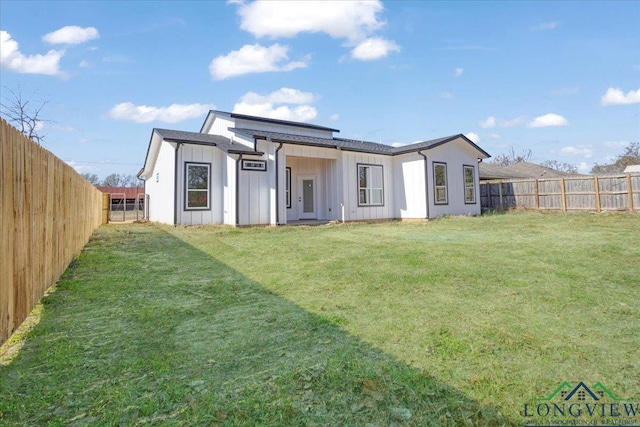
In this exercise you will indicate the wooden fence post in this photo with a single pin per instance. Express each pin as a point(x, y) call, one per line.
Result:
point(500, 194)
point(629, 193)
point(597, 187)
point(564, 195)
point(537, 195)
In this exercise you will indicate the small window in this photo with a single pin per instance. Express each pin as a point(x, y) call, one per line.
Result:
point(287, 188)
point(370, 188)
point(469, 184)
point(197, 185)
point(440, 183)
point(254, 165)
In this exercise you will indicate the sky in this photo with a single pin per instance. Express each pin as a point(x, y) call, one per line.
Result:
point(559, 78)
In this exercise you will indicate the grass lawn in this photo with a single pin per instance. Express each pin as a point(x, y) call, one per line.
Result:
point(452, 322)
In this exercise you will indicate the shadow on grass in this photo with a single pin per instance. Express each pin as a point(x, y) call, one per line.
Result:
point(145, 328)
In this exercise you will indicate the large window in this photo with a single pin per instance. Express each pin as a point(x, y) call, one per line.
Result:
point(370, 188)
point(440, 183)
point(197, 186)
point(469, 184)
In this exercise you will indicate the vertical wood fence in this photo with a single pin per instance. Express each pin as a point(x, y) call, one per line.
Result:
point(47, 214)
point(592, 193)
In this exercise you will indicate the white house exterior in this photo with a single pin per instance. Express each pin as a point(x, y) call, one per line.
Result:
point(245, 170)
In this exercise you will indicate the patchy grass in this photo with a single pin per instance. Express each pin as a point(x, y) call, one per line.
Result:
point(456, 321)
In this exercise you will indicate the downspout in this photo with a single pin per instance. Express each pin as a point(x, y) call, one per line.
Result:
point(426, 182)
point(175, 187)
point(277, 187)
point(238, 160)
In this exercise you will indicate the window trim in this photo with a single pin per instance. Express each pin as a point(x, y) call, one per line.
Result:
point(435, 187)
point(369, 165)
point(186, 186)
point(287, 186)
point(473, 185)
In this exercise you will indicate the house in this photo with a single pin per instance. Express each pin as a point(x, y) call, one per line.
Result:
point(124, 198)
point(520, 170)
point(632, 169)
point(246, 170)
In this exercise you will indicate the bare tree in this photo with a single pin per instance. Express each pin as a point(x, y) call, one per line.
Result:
point(560, 166)
point(24, 114)
point(92, 178)
point(120, 180)
point(630, 156)
point(511, 157)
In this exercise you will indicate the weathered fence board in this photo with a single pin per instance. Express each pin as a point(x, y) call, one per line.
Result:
point(584, 193)
point(47, 214)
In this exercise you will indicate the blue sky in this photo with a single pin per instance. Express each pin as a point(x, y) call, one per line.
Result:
point(559, 78)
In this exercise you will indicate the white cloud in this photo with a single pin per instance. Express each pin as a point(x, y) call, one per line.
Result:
point(398, 144)
point(474, 137)
point(253, 59)
point(352, 20)
point(12, 59)
point(145, 114)
point(544, 26)
point(458, 71)
point(271, 106)
point(71, 34)
point(615, 96)
point(374, 48)
point(492, 121)
point(446, 95)
point(84, 64)
point(495, 136)
point(489, 123)
point(334, 117)
point(283, 95)
point(547, 120)
point(570, 150)
point(616, 144)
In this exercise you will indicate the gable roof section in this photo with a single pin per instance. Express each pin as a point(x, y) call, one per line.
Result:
point(179, 136)
point(521, 170)
point(352, 144)
point(225, 144)
point(265, 120)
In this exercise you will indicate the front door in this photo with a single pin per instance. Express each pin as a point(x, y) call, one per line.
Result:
point(307, 197)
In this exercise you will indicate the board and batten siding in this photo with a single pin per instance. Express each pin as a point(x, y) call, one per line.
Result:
point(410, 198)
point(455, 154)
point(211, 155)
point(349, 165)
point(320, 163)
point(160, 185)
point(257, 189)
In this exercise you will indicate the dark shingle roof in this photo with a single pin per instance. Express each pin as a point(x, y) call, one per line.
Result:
point(221, 142)
point(274, 121)
point(350, 144)
point(521, 170)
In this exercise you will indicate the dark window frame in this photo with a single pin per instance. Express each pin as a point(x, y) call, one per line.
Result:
point(186, 186)
point(435, 186)
point(262, 168)
point(358, 188)
point(287, 186)
point(473, 187)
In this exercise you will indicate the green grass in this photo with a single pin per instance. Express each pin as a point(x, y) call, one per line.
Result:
point(452, 322)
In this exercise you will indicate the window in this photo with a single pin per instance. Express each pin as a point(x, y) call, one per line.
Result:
point(469, 184)
point(440, 183)
point(287, 188)
point(254, 165)
point(370, 185)
point(197, 185)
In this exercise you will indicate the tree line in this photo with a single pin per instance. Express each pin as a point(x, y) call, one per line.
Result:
point(113, 180)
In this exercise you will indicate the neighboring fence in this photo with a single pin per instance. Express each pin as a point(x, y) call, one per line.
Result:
point(47, 214)
point(584, 193)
